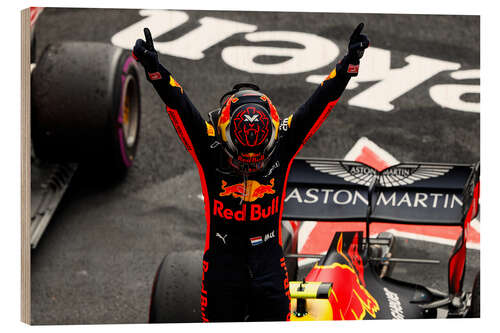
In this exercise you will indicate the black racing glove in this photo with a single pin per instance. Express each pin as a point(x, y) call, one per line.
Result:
point(144, 52)
point(357, 45)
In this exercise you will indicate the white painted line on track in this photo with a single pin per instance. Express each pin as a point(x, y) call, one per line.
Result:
point(304, 232)
point(357, 150)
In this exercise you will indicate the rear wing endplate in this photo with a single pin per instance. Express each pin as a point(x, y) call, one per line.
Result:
point(407, 193)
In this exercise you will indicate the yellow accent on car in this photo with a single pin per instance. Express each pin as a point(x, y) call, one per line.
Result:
point(317, 309)
point(370, 305)
point(210, 129)
point(310, 289)
point(290, 120)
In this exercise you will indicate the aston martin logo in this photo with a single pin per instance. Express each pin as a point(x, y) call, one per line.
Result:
point(401, 174)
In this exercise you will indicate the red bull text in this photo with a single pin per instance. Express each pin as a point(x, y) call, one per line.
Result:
point(252, 212)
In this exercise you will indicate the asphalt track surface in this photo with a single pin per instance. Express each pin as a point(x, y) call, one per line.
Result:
point(97, 259)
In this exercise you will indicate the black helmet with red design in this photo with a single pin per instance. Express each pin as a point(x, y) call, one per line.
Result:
point(248, 127)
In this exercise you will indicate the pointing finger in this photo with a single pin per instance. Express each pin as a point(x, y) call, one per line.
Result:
point(358, 30)
point(149, 39)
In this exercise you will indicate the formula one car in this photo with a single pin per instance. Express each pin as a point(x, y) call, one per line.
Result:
point(352, 280)
point(85, 109)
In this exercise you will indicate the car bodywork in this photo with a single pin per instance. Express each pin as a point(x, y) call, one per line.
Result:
point(347, 282)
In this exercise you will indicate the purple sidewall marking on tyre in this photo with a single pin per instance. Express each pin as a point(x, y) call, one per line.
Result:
point(120, 113)
point(123, 151)
point(127, 63)
point(125, 158)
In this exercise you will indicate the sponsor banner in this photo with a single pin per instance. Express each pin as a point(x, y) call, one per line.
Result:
point(331, 190)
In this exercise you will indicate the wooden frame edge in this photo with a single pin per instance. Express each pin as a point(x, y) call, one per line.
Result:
point(25, 166)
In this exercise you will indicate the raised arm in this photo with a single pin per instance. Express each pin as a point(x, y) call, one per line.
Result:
point(302, 124)
point(189, 124)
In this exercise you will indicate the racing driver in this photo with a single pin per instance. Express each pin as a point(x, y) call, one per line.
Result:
point(243, 153)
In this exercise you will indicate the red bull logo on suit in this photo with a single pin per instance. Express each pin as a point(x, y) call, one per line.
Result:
point(252, 212)
point(254, 190)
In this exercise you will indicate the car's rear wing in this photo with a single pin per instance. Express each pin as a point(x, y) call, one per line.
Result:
point(407, 193)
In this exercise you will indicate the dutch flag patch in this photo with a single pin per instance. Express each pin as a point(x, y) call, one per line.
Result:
point(256, 240)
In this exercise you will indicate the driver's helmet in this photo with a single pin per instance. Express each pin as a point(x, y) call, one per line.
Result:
point(248, 127)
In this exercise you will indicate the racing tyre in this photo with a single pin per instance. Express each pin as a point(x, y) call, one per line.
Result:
point(86, 106)
point(175, 297)
point(475, 306)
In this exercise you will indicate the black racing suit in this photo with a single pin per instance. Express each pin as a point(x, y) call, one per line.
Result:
point(244, 272)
